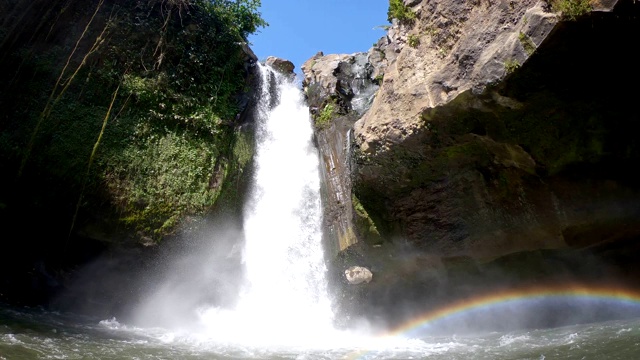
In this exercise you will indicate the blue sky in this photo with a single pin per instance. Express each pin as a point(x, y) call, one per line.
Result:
point(298, 29)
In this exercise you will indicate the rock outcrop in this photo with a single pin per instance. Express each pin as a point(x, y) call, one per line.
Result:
point(498, 150)
point(338, 88)
point(282, 65)
point(460, 156)
point(87, 99)
point(357, 275)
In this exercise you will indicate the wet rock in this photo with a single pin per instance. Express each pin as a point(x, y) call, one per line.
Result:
point(496, 145)
point(358, 275)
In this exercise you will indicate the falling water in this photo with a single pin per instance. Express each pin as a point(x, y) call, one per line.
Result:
point(282, 310)
point(284, 299)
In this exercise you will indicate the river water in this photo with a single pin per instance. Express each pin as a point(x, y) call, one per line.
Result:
point(282, 308)
point(37, 334)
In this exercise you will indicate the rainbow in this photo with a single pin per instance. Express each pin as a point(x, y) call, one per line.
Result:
point(611, 295)
point(518, 295)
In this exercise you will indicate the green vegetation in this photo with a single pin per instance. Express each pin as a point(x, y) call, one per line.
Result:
point(364, 224)
point(134, 110)
point(397, 10)
point(413, 40)
point(326, 115)
point(511, 65)
point(527, 43)
point(571, 9)
point(383, 55)
point(431, 31)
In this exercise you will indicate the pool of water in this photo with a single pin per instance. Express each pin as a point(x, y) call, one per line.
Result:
point(27, 333)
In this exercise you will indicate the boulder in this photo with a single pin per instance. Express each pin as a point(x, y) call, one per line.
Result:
point(358, 275)
point(281, 65)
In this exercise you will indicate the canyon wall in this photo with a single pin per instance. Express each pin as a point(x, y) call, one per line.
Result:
point(499, 149)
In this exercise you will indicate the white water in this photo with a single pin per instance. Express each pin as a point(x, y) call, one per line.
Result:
point(284, 299)
point(283, 310)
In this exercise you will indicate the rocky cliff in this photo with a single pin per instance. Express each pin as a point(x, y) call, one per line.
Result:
point(499, 149)
point(120, 124)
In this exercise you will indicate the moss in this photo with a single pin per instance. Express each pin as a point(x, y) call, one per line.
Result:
point(464, 150)
point(556, 133)
point(511, 65)
point(243, 149)
point(346, 239)
point(169, 142)
point(161, 177)
point(527, 44)
point(365, 225)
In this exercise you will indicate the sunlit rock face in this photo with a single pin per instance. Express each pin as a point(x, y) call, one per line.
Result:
point(483, 135)
point(498, 150)
point(282, 65)
point(338, 88)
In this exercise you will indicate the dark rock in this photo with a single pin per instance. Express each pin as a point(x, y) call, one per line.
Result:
point(281, 65)
point(479, 176)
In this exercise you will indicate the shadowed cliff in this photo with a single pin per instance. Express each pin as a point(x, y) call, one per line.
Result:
point(498, 151)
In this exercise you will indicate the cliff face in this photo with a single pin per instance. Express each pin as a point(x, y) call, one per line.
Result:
point(120, 123)
point(339, 89)
point(498, 143)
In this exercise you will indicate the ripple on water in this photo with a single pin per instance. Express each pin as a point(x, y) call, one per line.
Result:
point(506, 340)
point(35, 338)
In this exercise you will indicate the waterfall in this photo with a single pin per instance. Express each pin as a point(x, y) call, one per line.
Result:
point(284, 298)
point(274, 266)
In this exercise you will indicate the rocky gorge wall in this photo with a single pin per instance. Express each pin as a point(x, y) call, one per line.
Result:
point(122, 126)
point(498, 151)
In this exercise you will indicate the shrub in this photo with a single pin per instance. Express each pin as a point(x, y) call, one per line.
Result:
point(527, 43)
point(571, 9)
point(397, 10)
point(511, 65)
point(171, 71)
point(413, 41)
point(323, 119)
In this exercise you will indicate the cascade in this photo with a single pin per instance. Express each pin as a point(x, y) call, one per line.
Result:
point(283, 296)
point(286, 287)
point(364, 89)
point(281, 309)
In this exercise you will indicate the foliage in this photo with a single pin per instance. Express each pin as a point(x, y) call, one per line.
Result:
point(397, 10)
point(168, 143)
point(364, 224)
point(511, 65)
point(153, 185)
point(328, 112)
point(431, 31)
point(571, 9)
point(241, 16)
point(413, 40)
point(527, 43)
